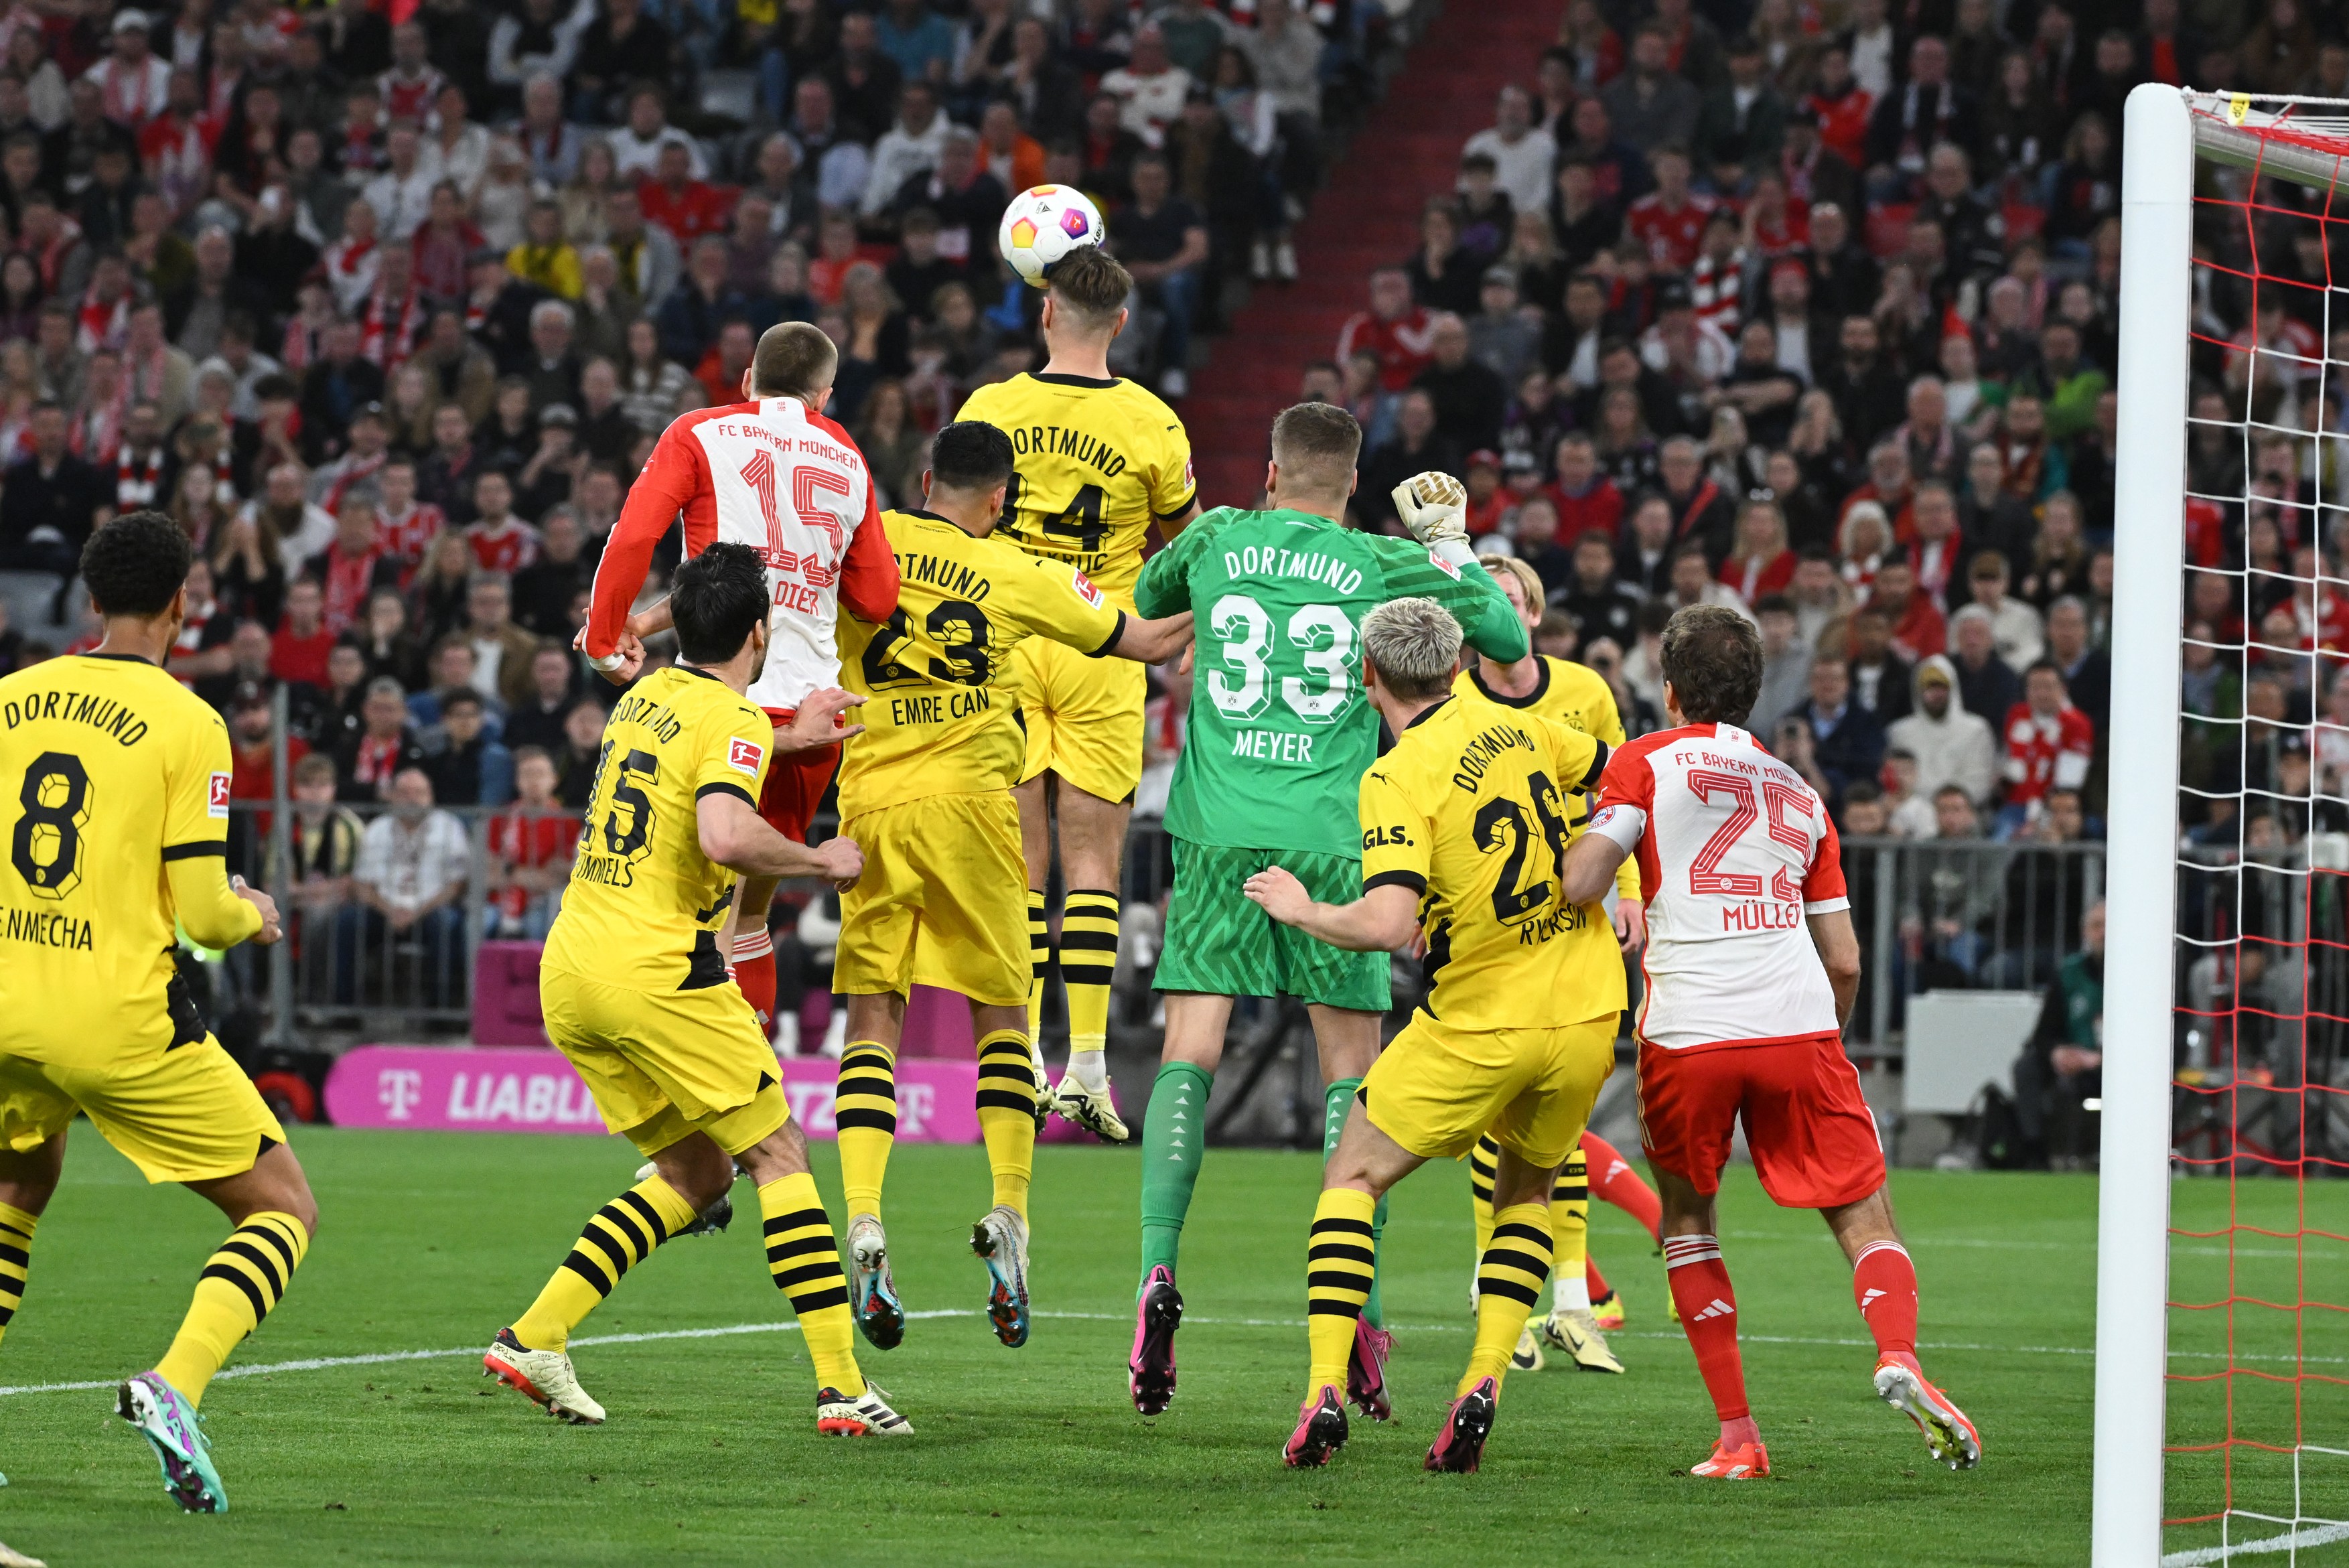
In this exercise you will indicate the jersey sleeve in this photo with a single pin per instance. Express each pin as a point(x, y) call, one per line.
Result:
point(195, 838)
point(1823, 886)
point(1581, 759)
point(1165, 588)
point(868, 572)
point(1606, 724)
point(1397, 844)
point(1050, 598)
point(1173, 485)
point(675, 473)
point(737, 746)
point(1493, 625)
point(1626, 798)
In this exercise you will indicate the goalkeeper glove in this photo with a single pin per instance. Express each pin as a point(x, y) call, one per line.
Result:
point(1434, 506)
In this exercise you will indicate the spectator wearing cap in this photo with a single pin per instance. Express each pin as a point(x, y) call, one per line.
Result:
point(1649, 105)
point(369, 449)
point(1395, 328)
point(1503, 336)
point(1469, 398)
point(1949, 745)
point(1600, 603)
point(1523, 152)
point(133, 84)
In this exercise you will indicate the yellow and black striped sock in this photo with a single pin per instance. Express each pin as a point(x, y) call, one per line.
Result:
point(1088, 963)
point(865, 1110)
point(16, 1260)
point(1570, 1234)
point(804, 1258)
point(1007, 1114)
point(617, 1237)
point(240, 1283)
point(1040, 960)
point(1338, 1265)
point(1481, 1161)
point(1508, 1283)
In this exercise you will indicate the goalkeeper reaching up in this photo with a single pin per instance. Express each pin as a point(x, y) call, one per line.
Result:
point(1277, 738)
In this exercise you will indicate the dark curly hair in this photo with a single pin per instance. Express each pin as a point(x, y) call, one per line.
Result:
point(971, 455)
point(134, 563)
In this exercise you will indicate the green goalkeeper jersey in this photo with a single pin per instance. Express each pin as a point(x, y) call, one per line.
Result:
point(1279, 732)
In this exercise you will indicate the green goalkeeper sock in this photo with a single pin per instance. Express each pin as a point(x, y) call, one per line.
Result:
point(1335, 1099)
point(1173, 1141)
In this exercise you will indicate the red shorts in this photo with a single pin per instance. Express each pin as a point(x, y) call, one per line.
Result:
point(796, 781)
point(1812, 1136)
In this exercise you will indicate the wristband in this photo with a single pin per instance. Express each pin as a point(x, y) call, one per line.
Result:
point(1454, 550)
point(607, 664)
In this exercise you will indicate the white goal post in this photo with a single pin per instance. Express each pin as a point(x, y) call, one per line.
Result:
point(2149, 575)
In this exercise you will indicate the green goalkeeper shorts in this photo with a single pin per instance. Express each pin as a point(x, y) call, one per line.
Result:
point(1219, 943)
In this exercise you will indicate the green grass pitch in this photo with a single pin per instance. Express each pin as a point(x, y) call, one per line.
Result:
point(429, 1242)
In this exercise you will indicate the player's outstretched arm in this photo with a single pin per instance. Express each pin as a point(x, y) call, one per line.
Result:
point(817, 721)
point(214, 912)
point(1381, 920)
point(1590, 865)
point(734, 835)
point(1152, 642)
point(1838, 948)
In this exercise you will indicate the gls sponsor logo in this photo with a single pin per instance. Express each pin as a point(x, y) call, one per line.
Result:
point(1393, 837)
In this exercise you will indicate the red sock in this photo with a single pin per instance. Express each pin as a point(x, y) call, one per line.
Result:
point(754, 972)
point(1613, 1181)
point(1884, 1283)
point(1708, 1310)
point(1596, 1280)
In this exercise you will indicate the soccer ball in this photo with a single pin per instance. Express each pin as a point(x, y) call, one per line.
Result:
point(1043, 226)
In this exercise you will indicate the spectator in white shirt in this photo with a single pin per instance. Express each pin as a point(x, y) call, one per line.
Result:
point(1151, 86)
point(1521, 152)
point(402, 194)
point(637, 146)
point(908, 148)
point(133, 82)
point(409, 878)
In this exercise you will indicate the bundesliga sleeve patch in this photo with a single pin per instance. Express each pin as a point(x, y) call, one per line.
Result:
point(1442, 566)
point(220, 795)
point(744, 756)
point(1082, 587)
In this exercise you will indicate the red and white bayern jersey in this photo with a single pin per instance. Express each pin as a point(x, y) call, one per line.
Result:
point(791, 484)
point(1735, 850)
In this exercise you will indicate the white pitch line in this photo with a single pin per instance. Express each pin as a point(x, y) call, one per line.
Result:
point(2289, 1540)
point(386, 1358)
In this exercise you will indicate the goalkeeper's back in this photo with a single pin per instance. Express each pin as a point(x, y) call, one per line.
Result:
point(1279, 732)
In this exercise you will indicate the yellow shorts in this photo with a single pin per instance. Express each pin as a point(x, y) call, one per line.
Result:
point(1435, 1089)
point(1084, 717)
point(665, 1064)
point(189, 1115)
point(943, 900)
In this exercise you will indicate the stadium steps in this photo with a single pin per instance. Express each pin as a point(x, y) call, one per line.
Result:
point(1368, 213)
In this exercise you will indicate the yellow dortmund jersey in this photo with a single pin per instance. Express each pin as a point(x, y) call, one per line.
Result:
point(1470, 810)
point(645, 904)
point(1578, 697)
point(114, 782)
point(939, 716)
point(1098, 462)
